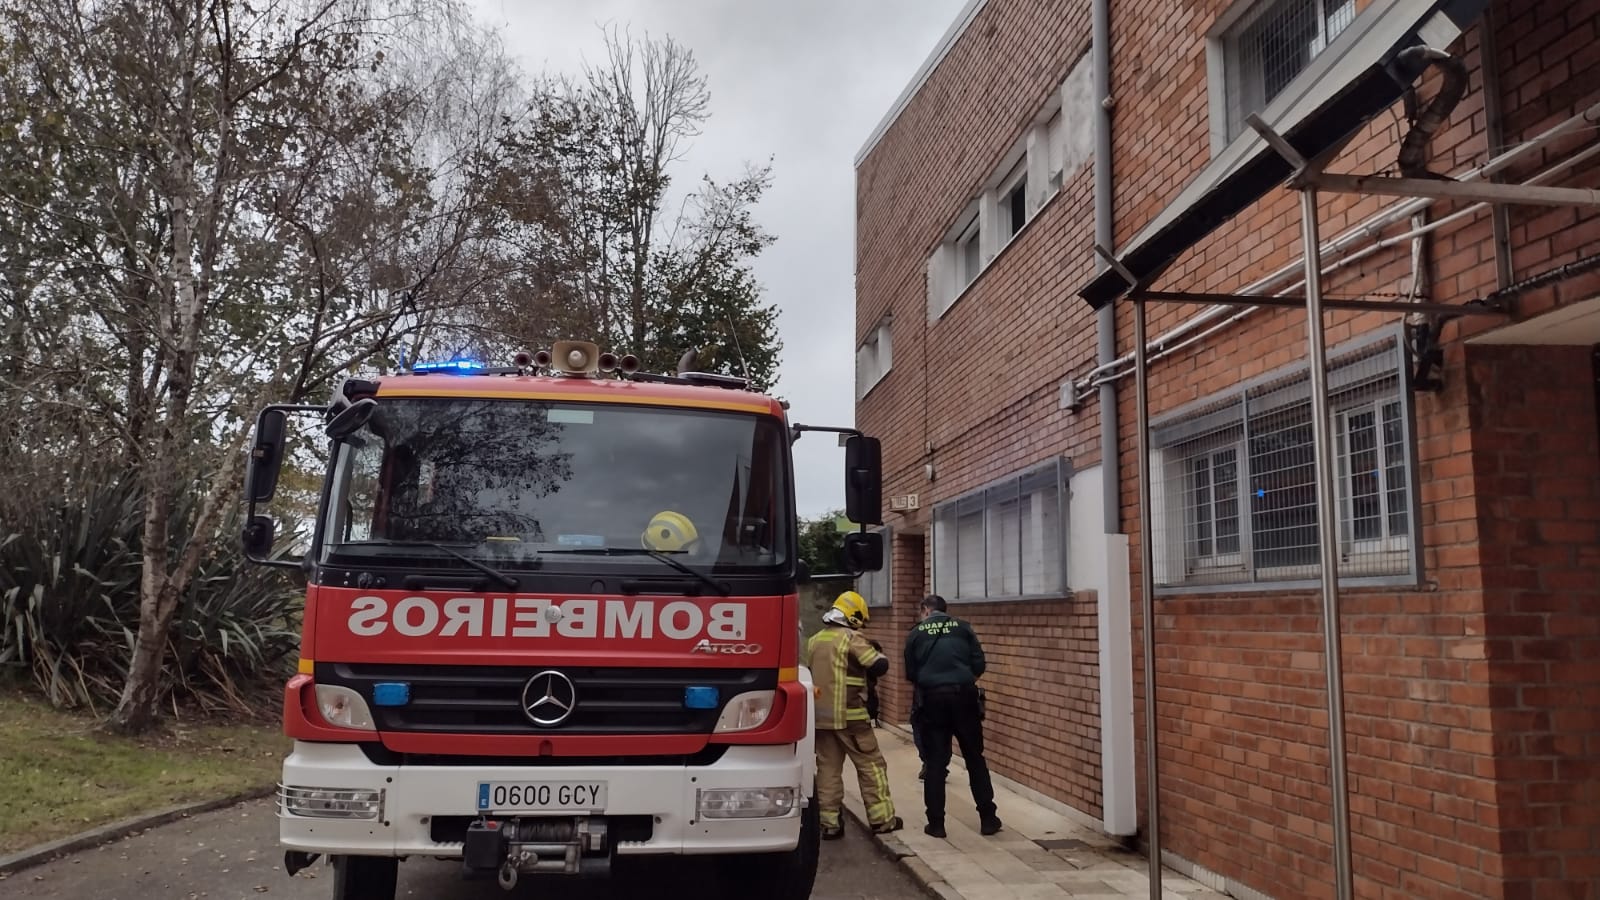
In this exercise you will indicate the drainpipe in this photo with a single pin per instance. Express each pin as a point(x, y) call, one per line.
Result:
point(1104, 236)
point(1119, 801)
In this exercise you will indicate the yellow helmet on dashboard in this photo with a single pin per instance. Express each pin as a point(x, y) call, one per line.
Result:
point(669, 532)
point(853, 607)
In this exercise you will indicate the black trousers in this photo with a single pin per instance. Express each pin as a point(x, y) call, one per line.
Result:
point(952, 712)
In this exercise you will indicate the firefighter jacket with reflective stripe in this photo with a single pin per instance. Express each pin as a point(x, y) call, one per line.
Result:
point(840, 660)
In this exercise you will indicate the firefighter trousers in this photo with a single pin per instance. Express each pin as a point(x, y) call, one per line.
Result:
point(858, 742)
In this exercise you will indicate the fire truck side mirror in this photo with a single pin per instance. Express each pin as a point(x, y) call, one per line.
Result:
point(863, 480)
point(266, 455)
point(863, 552)
point(257, 538)
point(350, 419)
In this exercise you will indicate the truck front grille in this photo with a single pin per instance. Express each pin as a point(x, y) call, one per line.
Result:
point(488, 699)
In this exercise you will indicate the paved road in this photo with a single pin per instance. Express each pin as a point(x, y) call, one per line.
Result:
point(232, 854)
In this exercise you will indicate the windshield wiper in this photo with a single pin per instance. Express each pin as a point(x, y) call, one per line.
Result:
point(678, 564)
point(486, 569)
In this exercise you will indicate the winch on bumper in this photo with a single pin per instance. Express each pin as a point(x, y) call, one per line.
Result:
point(511, 847)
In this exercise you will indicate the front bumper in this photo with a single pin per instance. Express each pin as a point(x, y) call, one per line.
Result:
point(414, 795)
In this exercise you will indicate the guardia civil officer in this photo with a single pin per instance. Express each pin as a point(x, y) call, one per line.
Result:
point(944, 661)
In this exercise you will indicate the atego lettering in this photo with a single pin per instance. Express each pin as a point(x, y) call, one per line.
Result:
point(706, 646)
point(532, 617)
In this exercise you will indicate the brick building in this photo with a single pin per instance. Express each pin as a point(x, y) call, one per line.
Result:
point(1467, 448)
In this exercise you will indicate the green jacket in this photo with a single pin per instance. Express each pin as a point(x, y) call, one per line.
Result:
point(943, 650)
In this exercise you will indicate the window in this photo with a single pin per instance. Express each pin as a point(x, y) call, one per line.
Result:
point(1235, 488)
point(1012, 213)
point(1004, 541)
point(1027, 176)
point(876, 586)
point(969, 254)
point(562, 487)
point(1263, 46)
point(1372, 456)
point(1213, 504)
point(874, 358)
point(1056, 148)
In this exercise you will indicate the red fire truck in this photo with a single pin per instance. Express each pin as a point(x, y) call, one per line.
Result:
point(551, 619)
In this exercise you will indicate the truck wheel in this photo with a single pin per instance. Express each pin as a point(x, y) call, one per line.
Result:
point(364, 877)
point(789, 876)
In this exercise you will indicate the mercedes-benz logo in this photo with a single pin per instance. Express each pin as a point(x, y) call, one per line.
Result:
point(549, 698)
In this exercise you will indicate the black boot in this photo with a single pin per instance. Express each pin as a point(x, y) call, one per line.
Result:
point(894, 824)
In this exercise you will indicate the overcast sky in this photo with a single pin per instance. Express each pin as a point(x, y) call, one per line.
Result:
point(803, 82)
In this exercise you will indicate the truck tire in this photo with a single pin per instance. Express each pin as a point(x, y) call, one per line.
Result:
point(788, 876)
point(365, 877)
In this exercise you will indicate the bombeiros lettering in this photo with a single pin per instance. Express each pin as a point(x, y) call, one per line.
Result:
point(717, 626)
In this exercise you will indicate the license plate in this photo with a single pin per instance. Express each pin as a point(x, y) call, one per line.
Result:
point(541, 796)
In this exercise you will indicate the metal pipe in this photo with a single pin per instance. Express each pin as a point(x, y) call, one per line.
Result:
point(1371, 227)
point(1163, 350)
point(1328, 529)
point(1147, 603)
point(1100, 47)
point(1118, 764)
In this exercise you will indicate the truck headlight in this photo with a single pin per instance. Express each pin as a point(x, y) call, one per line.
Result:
point(343, 707)
point(330, 803)
point(745, 803)
point(746, 711)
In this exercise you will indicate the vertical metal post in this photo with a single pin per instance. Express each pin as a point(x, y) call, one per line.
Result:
point(1328, 529)
point(1147, 589)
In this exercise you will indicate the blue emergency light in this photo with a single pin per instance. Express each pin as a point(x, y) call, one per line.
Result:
point(700, 696)
point(448, 366)
point(391, 693)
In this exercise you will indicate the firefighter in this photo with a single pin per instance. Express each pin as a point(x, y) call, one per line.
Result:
point(841, 661)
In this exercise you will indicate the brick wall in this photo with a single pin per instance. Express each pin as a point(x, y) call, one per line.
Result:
point(1439, 717)
point(990, 367)
point(1241, 692)
point(1537, 440)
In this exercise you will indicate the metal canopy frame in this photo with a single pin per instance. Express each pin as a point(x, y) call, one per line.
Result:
point(1308, 178)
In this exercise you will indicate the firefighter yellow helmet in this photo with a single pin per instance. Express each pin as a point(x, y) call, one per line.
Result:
point(853, 607)
point(669, 532)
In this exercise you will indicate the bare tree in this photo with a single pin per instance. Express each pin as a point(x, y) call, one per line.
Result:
point(625, 258)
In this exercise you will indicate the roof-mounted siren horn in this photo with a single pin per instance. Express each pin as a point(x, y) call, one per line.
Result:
point(576, 357)
point(628, 365)
point(543, 359)
point(608, 362)
point(522, 360)
point(687, 360)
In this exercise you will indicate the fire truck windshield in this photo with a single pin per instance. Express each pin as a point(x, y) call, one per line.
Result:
point(520, 483)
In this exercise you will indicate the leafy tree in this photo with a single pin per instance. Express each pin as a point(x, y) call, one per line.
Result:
point(225, 201)
point(208, 204)
point(822, 544)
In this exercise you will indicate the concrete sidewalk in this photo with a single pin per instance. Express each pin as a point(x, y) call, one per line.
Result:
point(1039, 854)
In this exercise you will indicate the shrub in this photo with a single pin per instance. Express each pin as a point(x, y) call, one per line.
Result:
point(69, 589)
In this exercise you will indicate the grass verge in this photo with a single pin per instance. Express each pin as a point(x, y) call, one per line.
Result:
point(60, 776)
